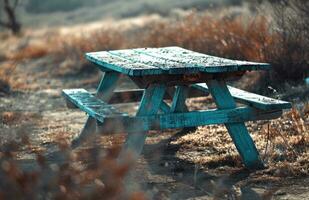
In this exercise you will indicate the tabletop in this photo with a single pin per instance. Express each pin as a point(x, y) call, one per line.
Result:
point(167, 60)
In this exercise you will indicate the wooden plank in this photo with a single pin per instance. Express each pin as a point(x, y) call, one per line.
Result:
point(237, 131)
point(93, 106)
point(165, 108)
point(106, 60)
point(169, 60)
point(203, 62)
point(179, 100)
point(165, 66)
point(104, 91)
point(150, 105)
point(186, 119)
point(184, 79)
point(248, 98)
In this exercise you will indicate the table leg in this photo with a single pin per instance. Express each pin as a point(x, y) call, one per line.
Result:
point(150, 104)
point(179, 99)
point(104, 91)
point(237, 131)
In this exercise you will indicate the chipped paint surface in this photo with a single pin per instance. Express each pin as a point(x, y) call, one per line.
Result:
point(167, 60)
point(90, 104)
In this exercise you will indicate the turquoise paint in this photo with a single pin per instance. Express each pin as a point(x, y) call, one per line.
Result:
point(92, 105)
point(179, 99)
point(168, 60)
point(104, 91)
point(150, 105)
point(255, 100)
point(307, 80)
point(165, 108)
point(237, 131)
point(187, 119)
point(173, 60)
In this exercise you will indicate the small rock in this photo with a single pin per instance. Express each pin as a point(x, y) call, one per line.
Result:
point(280, 193)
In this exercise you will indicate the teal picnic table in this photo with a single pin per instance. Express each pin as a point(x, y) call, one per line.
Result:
point(172, 74)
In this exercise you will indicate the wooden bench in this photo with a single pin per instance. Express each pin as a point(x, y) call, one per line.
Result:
point(173, 74)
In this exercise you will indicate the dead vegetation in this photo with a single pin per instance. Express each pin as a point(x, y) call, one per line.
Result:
point(282, 143)
point(279, 40)
point(64, 178)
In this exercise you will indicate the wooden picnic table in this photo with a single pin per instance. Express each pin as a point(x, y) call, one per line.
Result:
point(172, 73)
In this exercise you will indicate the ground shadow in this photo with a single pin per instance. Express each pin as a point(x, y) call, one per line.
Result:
point(162, 160)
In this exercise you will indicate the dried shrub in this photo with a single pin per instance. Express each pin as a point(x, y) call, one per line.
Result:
point(282, 41)
point(73, 50)
point(283, 145)
point(288, 53)
point(227, 37)
point(84, 174)
point(30, 52)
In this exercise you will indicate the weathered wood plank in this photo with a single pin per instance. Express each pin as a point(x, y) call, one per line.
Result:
point(203, 62)
point(148, 60)
point(106, 60)
point(169, 60)
point(179, 100)
point(165, 108)
point(150, 105)
point(104, 91)
point(93, 106)
point(248, 98)
point(185, 119)
point(237, 131)
point(184, 79)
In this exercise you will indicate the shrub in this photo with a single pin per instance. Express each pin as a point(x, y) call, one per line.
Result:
point(288, 53)
point(84, 174)
point(226, 37)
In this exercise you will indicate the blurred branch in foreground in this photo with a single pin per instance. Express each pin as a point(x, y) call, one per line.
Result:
point(9, 8)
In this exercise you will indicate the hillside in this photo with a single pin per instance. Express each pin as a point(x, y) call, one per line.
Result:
point(95, 10)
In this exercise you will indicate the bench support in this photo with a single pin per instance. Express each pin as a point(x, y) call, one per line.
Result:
point(237, 131)
point(179, 100)
point(104, 92)
point(150, 105)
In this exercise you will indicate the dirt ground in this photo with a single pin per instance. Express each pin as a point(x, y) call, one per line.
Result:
point(170, 167)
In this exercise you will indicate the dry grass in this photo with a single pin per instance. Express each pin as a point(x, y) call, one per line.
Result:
point(283, 145)
point(86, 174)
point(238, 37)
point(228, 37)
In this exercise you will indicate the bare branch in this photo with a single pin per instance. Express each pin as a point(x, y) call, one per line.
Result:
point(12, 23)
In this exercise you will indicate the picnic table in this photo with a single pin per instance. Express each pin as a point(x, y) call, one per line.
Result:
point(175, 74)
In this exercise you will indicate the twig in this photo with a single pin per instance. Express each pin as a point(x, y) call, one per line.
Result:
point(267, 140)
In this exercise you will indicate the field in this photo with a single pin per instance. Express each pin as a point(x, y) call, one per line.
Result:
point(36, 127)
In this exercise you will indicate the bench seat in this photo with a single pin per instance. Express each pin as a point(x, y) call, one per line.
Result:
point(110, 120)
point(251, 99)
point(93, 106)
point(241, 96)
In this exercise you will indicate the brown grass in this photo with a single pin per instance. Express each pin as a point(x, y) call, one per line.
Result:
point(243, 37)
point(283, 145)
point(86, 174)
point(232, 38)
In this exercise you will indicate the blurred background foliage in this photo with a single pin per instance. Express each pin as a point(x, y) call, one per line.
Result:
point(274, 31)
point(47, 54)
